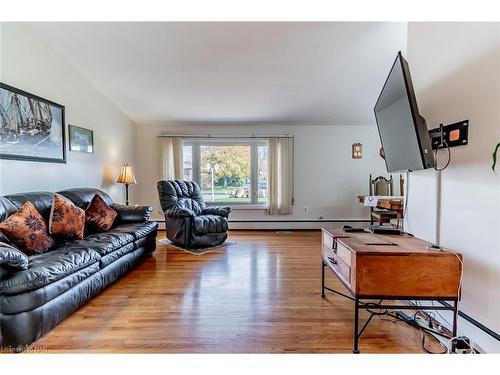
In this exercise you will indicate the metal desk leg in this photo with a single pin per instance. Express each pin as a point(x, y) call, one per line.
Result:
point(322, 278)
point(356, 318)
point(454, 329)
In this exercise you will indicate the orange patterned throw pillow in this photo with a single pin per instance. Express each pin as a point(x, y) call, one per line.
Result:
point(67, 221)
point(99, 217)
point(27, 229)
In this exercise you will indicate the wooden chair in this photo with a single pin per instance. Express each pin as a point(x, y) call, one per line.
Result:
point(382, 186)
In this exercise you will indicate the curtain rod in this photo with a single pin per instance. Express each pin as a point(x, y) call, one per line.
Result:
point(215, 136)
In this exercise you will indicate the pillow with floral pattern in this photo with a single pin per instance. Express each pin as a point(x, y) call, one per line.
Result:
point(67, 221)
point(99, 217)
point(27, 230)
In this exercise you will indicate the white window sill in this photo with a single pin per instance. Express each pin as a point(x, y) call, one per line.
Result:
point(249, 207)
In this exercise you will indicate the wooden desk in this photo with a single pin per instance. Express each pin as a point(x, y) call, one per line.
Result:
point(395, 205)
point(390, 267)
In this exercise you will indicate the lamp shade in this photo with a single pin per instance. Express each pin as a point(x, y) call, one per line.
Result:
point(126, 175)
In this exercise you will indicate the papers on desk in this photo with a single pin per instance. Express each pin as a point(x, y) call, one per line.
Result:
point(372, 200)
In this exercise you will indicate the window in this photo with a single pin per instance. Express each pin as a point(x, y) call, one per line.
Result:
point(229, 173)
point(187, 162)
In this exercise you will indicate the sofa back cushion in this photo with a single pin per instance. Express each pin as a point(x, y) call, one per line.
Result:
point(81, 197)
point(181, 194)
point(41, 200)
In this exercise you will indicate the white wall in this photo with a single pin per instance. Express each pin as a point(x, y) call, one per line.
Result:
point(327, 180)
point(455, 68)
point(29, 64)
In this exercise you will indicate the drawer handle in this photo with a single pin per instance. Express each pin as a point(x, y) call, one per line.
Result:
point(334, 245)
point(332, 261)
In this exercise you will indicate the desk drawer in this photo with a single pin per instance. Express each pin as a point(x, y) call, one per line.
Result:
point(341, 251)
point(337, 264)
point(327, 240)
point(344, 253)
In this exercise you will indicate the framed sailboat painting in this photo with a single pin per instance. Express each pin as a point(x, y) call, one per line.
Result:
point(31, 128)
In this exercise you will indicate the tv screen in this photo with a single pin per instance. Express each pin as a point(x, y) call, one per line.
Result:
point(403, 132)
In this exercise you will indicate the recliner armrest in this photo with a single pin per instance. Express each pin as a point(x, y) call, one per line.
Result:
point(179, 212)
point(132, 214)
point(220, 211)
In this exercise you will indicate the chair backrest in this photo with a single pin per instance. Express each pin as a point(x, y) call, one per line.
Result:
point(180, 194)
point(381, 186)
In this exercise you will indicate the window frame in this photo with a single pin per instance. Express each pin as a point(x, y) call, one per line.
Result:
point(254, 144)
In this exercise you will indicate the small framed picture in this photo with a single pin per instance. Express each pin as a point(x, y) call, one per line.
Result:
point(81, 139)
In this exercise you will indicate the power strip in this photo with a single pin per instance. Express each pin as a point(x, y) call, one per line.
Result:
point(463, 344)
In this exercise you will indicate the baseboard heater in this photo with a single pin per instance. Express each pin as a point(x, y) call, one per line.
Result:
point(291, 221)
point(474, 322)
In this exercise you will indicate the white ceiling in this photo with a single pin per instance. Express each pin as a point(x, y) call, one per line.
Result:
point(304, 73)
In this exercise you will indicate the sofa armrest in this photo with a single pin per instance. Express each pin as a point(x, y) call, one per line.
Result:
point(220, 211)
point(3, 274)
point(132, 214)
point(179, 212)
point(11, 260)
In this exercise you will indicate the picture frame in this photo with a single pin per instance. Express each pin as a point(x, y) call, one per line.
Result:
point(81, 139)
point(32, 128)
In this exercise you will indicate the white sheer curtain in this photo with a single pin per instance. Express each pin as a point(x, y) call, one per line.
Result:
point(170, 158)
point(280, 175)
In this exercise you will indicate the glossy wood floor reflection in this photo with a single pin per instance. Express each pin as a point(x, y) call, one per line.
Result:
point(261, 295)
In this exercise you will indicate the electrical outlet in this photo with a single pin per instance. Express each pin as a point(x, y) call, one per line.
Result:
point(305, 210)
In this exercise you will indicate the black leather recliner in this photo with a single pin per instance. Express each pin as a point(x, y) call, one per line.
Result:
point(189, 222)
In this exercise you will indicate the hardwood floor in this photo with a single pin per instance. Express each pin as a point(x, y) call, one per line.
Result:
point(261, 295)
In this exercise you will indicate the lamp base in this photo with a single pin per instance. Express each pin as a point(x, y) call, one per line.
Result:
point(126, 194)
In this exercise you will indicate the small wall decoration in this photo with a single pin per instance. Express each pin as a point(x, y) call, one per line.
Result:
point(31, 128)
point(81, 139)
point(357, 151)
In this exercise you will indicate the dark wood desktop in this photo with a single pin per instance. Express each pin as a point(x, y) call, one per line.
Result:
point(390, 267)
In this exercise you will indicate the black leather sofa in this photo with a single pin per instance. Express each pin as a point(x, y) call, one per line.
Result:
point(58, 282)
point(189, 222)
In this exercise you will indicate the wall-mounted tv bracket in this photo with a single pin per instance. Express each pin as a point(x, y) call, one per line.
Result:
point(456, 134)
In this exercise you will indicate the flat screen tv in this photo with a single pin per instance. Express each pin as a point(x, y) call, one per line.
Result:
point(403, 132)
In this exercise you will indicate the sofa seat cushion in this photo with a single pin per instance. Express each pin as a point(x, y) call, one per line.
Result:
point(47, 268)
point(106, 260)
point(103, 243)
point(138, 230)
point(205, 224)
point(27, 301)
